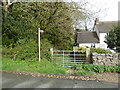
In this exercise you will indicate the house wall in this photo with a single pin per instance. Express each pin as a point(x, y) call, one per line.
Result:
point(97, 31)
point(102, 39)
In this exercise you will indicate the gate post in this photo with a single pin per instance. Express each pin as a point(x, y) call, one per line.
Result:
point(87, 55)
point(74, 56)
point(51, 50)
point(63, 58)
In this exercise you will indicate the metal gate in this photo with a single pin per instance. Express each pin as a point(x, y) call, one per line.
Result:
point(68, 57)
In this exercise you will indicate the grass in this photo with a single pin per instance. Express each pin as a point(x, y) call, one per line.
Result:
point(0, 64)
point(48, 67)
point(41, 67)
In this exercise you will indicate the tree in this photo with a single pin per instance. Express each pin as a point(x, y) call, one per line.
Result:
point(113, 39)
point(24, 19)
point(83, 16)
point(55, 18)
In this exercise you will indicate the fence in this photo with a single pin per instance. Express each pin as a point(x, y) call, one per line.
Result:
point(68, 57)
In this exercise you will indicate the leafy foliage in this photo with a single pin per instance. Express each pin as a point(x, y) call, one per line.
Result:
point(82, 48)
point(20, 29)
point(24, 19)
point(99, 50)
point(113, 38)
point(28, 50)
point(101, 68)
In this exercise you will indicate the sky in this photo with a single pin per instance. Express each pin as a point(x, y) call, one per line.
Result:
point(109, 8)
point(111, 12)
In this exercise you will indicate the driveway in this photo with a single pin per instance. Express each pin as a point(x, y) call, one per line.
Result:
point(26, 81)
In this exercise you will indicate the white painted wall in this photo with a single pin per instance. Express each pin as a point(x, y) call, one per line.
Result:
point(97, 31)
point(102, 39)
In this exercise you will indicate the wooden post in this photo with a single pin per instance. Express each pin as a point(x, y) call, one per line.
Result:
point(87, 55)
point(51, 50)
point(74, 56)
point(63, 58)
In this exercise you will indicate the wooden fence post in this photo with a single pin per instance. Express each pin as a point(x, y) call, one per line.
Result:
point(63, 58)
point(87, 55)
point(74, 56)
point(51, 50)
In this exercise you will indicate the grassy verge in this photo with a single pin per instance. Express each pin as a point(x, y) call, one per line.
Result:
point(0, 64)
point(55, 68)
point(41, 67)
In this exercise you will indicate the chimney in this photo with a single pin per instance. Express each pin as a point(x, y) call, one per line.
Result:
point(97, 21)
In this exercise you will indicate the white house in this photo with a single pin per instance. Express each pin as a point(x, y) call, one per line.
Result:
point(89, 39)
point(96, 38)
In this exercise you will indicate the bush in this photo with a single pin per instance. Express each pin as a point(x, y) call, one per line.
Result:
point(28, 50)
point(99, 50)
point(82, 48)
point(101, 68)
point(23, 51)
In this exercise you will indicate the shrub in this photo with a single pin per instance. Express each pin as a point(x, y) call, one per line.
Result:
point(28, 50)
point(99, 50)
point(82, 48)
point(101, 68)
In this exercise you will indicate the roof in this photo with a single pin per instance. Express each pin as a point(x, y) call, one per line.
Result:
point(87, 37)
point(105, 27)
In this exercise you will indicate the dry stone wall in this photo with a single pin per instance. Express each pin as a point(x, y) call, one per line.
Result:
point(106, 59)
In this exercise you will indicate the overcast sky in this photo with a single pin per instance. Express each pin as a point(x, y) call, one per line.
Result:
point(111, 12)
point(109, 9)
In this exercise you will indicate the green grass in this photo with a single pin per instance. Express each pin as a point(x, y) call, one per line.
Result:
point(48, 67)
point(0, 64)
point(41, 67)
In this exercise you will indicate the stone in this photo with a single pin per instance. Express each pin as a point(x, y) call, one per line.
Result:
point(99, 57)
point(105, 59)
point(102, 63)
point(94, 54)
point(108, 56)
point(108, 60)
point(115, 56)
point(119, 56)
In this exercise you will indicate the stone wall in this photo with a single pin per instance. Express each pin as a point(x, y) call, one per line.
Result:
point(106, 59)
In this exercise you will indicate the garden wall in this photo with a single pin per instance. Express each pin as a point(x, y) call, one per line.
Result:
point(106, 59)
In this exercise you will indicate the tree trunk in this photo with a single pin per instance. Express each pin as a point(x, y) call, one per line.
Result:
point(5, 6)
